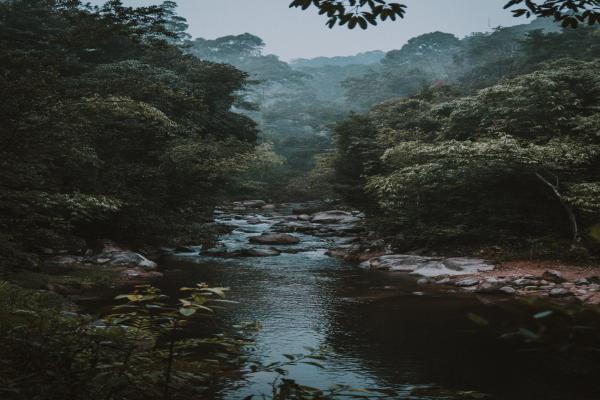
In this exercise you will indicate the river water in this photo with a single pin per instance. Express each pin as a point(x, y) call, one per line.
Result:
point(376, 330)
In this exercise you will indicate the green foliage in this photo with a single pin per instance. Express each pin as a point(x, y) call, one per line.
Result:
point(137, 352)
point(112, 130)
point(517, 159)
point(364, 12)
point(352, 12)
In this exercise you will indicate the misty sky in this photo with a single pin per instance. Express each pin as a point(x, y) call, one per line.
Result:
point(292, 33)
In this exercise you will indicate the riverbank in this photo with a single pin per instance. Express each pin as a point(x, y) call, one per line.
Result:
point(278, 261)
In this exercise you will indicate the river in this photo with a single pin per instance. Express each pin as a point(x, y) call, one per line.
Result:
point(378, 329)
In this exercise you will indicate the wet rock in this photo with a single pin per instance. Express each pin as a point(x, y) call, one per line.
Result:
point(467, 282)
point(260, 252)
point(423, 281)
point(553, 276)
point(274, 238)
point(507, 290)
point(397, 262)
point(334, 217)
point(123, 258)
point(268, 207)
point(443, 281)
point(254, 203)
point(304, 217)
point(428, 266)
point(296, 226)
point(581, 282)
point(340, 253)
point(560, 292)
point(525, 282)
point(216, 251)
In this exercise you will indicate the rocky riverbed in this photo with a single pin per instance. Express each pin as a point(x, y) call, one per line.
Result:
point(260, 229)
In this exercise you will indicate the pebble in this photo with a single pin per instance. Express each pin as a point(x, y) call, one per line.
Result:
point(507, 290)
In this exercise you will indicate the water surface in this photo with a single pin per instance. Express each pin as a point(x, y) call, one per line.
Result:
point(377, 331)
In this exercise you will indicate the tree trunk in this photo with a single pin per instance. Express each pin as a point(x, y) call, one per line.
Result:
point(565, 205)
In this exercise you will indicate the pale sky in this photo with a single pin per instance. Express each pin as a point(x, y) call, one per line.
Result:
point(292, 33)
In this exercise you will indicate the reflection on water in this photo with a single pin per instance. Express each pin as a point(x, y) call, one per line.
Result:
point(401, 341)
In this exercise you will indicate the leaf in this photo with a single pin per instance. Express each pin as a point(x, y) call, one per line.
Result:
point(543, 314)
point(478, 319)
point(187, 311)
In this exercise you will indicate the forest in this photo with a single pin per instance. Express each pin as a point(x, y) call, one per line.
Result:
point(174, 209)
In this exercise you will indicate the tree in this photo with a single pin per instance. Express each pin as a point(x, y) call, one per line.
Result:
point(368, 12)
point(112, 130)
point(515, 160)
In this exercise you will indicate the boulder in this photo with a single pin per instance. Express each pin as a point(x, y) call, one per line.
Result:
point(553, 276)
point(525, 282)
point(274, 238)
point(260, 252)
point(123, 258)
point(334, 217)
point(428, 266)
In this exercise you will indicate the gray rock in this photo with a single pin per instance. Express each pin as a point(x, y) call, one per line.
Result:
point(304, 217)
point(429, 266)
point(123, 258)
point(216, 251)
point(553, 276)
point(254, 203)
point(274, 238)
point(334, 217)
point(525, 282)
point(467, 282)
point(507, 290)
point(260, 252)
point(423, 281)
point(582, 281)
point(560, 292)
